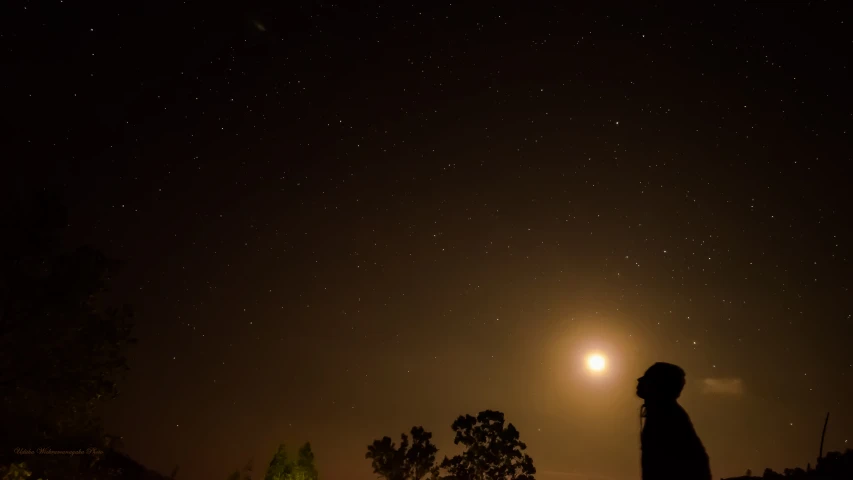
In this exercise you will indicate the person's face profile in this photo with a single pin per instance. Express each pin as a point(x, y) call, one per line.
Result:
point(642, 387)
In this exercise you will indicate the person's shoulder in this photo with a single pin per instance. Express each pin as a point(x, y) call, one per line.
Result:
point(683, 413)
point(678, 414)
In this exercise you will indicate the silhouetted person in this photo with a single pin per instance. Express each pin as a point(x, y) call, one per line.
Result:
point(671, 450)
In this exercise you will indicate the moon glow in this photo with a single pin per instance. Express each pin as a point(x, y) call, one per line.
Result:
point(596, 362)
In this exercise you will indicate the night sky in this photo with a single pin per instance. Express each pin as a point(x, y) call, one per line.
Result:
point(338, 222)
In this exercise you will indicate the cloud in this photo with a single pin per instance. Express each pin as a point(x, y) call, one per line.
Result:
point(722, 386)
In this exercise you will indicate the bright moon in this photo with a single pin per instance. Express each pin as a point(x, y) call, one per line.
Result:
point(596, 362)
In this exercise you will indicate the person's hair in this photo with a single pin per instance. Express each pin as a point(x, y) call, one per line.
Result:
point(667, 379)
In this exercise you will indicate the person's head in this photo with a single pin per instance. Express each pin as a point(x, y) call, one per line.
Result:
point(662, 381)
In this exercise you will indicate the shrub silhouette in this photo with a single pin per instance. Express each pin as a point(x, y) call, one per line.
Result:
point(832, 466)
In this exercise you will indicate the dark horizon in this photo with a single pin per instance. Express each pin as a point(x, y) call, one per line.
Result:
point(335, 223)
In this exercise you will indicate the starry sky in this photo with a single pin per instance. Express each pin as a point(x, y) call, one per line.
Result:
point(340, 221)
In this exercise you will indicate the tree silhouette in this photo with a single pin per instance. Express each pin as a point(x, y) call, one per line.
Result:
point(405, 462)
point(247, 470)
point(235, 475)
point(305, 469)
point(492, 451)
point(61, 349)
point(280, 468)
